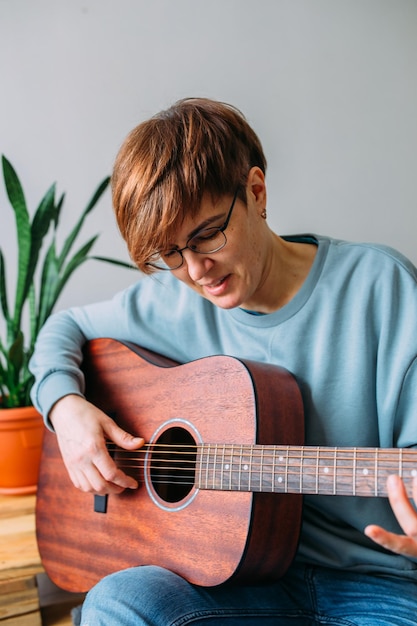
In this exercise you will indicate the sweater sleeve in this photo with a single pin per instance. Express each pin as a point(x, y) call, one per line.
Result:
point(58, 351)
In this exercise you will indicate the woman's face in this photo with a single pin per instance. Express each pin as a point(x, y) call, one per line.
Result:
point(233, 276)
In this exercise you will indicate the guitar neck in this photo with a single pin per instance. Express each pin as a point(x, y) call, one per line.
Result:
point(301, 469)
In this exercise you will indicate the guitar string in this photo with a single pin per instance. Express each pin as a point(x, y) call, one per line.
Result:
point(264, 459)
point(264, 471)
point(238, 458)
point(388, 457)
point(290, 450)
point(308, 472)
point(344, 488)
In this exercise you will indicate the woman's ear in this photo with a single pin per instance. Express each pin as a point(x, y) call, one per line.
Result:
point(256, 188)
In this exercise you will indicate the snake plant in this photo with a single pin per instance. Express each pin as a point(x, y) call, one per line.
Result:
point(42, 273)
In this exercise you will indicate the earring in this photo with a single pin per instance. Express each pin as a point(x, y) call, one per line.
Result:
point(263, 214)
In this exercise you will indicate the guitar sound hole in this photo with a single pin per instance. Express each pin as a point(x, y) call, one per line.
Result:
point(172, 468)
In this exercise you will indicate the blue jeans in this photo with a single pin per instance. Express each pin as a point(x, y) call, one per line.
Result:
point(306, 596)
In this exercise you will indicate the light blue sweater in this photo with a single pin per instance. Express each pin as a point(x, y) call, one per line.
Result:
point(350, 338)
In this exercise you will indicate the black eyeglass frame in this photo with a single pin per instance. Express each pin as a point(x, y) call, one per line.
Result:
point(180, 251)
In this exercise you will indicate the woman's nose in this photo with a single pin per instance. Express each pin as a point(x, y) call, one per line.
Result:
point(197, 264)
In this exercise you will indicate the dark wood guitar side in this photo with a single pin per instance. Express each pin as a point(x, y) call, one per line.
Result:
point(201, 526)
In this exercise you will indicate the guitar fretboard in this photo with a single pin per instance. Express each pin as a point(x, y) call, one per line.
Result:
point(303, 469)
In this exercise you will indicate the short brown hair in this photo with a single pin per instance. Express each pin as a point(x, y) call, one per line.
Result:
point(168, 162)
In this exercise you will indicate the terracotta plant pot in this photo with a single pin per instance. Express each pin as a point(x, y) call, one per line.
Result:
point(21, 434)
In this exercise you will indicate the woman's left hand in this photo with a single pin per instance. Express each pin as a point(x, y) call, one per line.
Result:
point(407, 518)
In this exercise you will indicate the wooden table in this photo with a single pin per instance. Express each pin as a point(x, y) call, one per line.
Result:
point(21, 571)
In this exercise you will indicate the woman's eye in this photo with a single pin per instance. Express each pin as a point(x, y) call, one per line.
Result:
point(168, 253)
point(205, 235)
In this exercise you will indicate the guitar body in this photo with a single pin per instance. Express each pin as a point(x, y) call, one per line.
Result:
point(207, 536)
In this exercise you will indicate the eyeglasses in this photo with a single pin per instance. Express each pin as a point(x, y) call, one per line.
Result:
point(206, 241)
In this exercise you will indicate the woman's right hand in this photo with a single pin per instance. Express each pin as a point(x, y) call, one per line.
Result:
point(82, 430)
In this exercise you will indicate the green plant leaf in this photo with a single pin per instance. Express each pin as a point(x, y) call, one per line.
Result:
point(18, 203)
point(58, 208)
point(3, 390)
point(3, 288)
point(15, 356)
point(124, 264)
point(32, 314)
point(75, 231)
point(13, 187)
point(44, 216)
point(80, 257)
point(48, 284)
point(41, 277)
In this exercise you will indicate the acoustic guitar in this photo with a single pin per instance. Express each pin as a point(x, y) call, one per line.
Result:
point(218, 500)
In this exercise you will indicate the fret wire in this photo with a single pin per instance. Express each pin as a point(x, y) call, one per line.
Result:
point(334, 471)
point(207, 464)
point(232, 456)
point(214, 466)
point(317, 468)
point(226, 465)
point(223, 468)
point(261, 469)
point(274, 458)
point(376, 472)
point(200, 465)
point(354, 471)
point(240, 468)
point(286, 469)
point(301, 471)
point(400, 462)
point(250, 471)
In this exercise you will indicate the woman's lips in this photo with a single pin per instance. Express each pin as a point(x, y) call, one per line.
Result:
point(217, 287)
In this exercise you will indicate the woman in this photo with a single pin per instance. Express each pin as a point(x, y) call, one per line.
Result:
point(190, 199)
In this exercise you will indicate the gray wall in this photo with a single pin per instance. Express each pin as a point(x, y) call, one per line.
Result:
point(329, 85)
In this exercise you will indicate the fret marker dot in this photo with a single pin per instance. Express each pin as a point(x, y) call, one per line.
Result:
point(280, 479)
point(326, 470)
point(414, 472)
point(365, 472)
point(227, 466)
point(245, 467)
point(281, 458)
